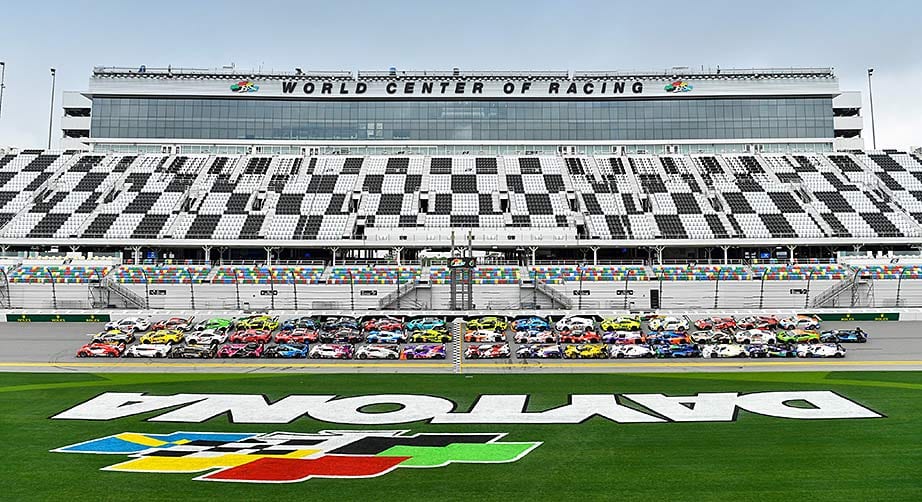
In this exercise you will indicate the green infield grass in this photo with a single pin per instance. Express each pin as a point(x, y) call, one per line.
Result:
point(755, 458)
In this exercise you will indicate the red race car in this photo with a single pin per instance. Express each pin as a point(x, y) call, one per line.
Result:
point(250, 336)
point(298, 335)
point(382, 324)
point(173, 323)
point(717, 323)
point(758, 322)
point(101, 350)
point(580, 336)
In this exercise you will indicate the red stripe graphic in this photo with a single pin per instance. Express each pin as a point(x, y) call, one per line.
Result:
point(285, 469)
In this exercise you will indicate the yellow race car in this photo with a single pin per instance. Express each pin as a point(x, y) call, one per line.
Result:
point(586, 351)
point(621, 323)
point(162, 336)
point(430, 336)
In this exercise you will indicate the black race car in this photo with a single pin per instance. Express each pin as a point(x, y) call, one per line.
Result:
point(344, 334)
point(194, 351)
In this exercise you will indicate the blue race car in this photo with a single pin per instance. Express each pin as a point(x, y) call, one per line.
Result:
point(386, 337)
point(426, 323)
point(533, 323)
point(427, 351)
point(287, 350)
point(856, 335)
point(300, 322)
point(542, 351)
point(683, 350)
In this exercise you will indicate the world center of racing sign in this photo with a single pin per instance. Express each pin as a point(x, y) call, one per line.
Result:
point(286, 457)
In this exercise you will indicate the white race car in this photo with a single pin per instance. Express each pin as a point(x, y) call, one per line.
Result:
point(800, 322)
point(630, 351)
point(130, 324)
point(748, 336)
point(484, 336)
point(711, 336)
point(149, 350)
point(534, 337)
point(724, 350)
point(378, 351)
point(820, 350)
point(574, 323)
point(668, 324)
point(206, 337)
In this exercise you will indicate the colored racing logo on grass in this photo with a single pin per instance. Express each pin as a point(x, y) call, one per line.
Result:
point(244, 86)
point(285, 457)
point(678, 86)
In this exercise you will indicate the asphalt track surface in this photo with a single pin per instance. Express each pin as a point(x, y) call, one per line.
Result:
point(48, 347)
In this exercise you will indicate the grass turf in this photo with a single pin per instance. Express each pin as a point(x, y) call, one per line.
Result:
point(754, 458)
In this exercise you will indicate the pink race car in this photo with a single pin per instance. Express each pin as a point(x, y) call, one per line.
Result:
point(241, 350)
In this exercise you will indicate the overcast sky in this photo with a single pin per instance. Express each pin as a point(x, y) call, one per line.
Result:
point(75, 35)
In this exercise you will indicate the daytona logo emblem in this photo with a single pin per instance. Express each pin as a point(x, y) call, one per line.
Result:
point(284, 457)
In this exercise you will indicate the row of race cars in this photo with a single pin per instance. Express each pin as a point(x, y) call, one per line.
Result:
point(537, 337)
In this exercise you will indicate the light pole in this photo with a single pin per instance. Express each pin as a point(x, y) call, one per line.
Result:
point(762, 290)
point(272, 288)
point(579, 300)
point(54, 293)
point(899, 285)
point(191, 287)
point(146, 288)
point(2, 84)
point(51, 112)
point(351, 290)
point(720, 271)
point(237, 285)
point(807, 296)
point(871, 100)
point(294, 285)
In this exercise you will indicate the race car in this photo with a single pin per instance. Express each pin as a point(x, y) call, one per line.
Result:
point(238, 350)
point(428, 351)
point(677, 351)
point(800, 322)
point(757, 322)
point(539, 351)
point(798, 336)
point(162, 336)
point(580, 336)
point(386, 337)
point(621, 323)
point(664, 323)
point(624, 337)
point(298, 335)
point(261, 322)
point(180, 323)
point(484, 335)
point(533, 323)
point(748, 336)
point(572, 323)
point(207, 337)
point(113, 336)
point(487, 351)
point(130, 324)
point(218, 324)
point(377, 352)
point(711, 336)
point(724, 350)
point(820, 350)
point(427, 323)
point(382, 324)
point(630, 351)
point(534, 336)
point(718, 323)
point(250, 336)
point(194, 351)
point(761, 350)
point(491, 323)
point(856, 335)
point(331, 351)
point(305, 322)
point(669, 338)
point(430, 336)
point(586, 351)
point(287, 350)
point(343, 334)
point(334, 323)
point(149, 350)
point(96, 349)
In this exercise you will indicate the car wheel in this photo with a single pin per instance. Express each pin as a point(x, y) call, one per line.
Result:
point(363, 356)
point(714, 355)
point(619, 355)
point(391, 356)
point(158, 355)
point(315, 356)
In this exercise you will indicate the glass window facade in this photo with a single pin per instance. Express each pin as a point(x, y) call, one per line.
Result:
point(488, 120)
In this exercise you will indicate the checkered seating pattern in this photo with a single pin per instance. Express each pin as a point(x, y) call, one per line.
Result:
point(278, 274)
point(558, 274)
point(162, 274)
point(798, 272)
point(373, 274)
point(440, 274)
point(891, 271)
point(66, 274)
point(702, 272)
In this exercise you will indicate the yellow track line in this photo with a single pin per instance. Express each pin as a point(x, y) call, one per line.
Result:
point(102, 364)
point(812, 362)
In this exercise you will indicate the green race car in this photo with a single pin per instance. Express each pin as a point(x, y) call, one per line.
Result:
point(218, 324)
point(622, 323)
point(430, 336)
point(258, 322)
point(491, 323)
point(798, 336)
